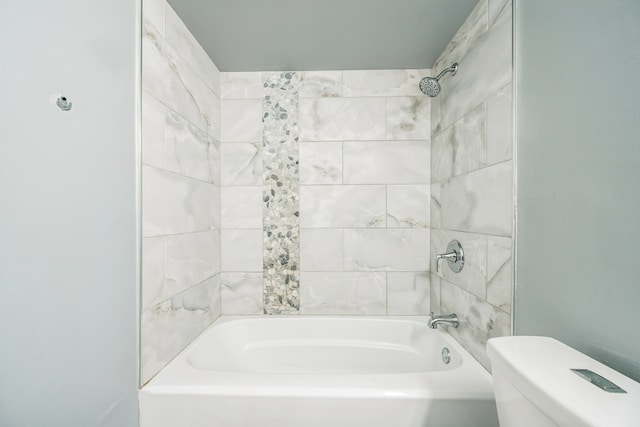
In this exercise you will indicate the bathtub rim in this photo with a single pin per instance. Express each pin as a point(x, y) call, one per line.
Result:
point(469, 381)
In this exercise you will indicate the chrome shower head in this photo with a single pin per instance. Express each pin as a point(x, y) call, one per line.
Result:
point(430, 86)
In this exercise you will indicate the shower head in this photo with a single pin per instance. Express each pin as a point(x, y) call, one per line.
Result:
point(430, 86)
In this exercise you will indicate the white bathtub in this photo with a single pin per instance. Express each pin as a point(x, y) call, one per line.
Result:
point(320, 372)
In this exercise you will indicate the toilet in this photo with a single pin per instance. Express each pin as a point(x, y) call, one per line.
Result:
point(535, 386)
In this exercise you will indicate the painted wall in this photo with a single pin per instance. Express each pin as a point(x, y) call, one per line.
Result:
point(68, 325)
point(180, 188)
point(472, 177)
point(360, 191)
point(578, 175)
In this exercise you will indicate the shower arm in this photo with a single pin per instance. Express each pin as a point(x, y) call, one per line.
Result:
point(453, 70)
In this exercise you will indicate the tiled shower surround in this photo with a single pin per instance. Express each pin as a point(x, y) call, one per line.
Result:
point(180, 188)
point(324, 192)
point(472, 177)
point(360, 193)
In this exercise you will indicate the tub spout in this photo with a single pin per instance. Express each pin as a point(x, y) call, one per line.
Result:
point(445, 319)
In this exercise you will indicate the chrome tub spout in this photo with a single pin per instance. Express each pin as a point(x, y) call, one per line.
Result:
point(444, 319)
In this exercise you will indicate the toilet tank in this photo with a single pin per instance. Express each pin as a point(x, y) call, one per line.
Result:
point(535, 386)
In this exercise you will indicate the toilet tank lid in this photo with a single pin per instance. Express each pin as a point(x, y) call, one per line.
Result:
point(540, 368)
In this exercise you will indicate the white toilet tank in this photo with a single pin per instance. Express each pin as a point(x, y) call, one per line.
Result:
point(535, 386)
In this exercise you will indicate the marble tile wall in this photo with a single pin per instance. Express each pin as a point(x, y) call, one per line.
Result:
point(363, 153)
point(181, 159)
point(472, 177)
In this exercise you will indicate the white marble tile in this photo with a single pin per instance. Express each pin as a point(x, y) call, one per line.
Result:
point(499, 272)
point(479, 320)
point(241, 85)
point(497, 8)
point(171, 325)
point(408, 118)
point(216, 207)
point(152, 271)
point(336, 119)
point(380, 162)
point(187, 149)
point(435, 293)
point(408, 293)
point(343, 293)
point(173, 203)
point(473, 277)
point(465, 38)
point(215, 127)
point(153, 13)
point(190, 259)
point(436, 117)
point(241, 120)
point(500, 126)
point(153, 119)
point(241, 163)
point(320, 163)
point(408, 206)
point(241, 207)
point(241, 250)
point(485, 69)
point(335, 206)
point(383, 82)
point(320, 84)
point(480, 201)
point(184, 43)
point(460, 148)
point(321, 249)
point(393, 249)
point(435, 206)
point(242, 293)
point(172, 81)
point(216, 301)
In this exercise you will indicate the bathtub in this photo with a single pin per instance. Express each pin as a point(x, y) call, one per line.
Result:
point(320, 372)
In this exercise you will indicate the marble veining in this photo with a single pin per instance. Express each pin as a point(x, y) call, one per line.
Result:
point(479, 201)
point(386, 162)
point(181, 260)
point(499, 272)
point(408, 118)
point(320, 163)
point(460, 148)
point(170, 326)
point(408, 206)
point(393, 249)
point(241, 163)
point(408, 293)
point(281, 257)
point(358, 83)
point(339, 206)
point(471, 196)
point(321, 84)
point(171, 80)
point(479, 320)
point(241, 293)
point(343, 293)
point(241, 85)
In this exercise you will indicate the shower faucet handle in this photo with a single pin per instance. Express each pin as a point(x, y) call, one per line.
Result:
point(454, 256)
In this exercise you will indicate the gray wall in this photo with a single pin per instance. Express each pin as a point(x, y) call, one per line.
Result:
point(578, 162)
point(68, 335)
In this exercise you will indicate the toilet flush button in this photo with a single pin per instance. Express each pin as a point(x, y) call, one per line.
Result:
point(598, 381)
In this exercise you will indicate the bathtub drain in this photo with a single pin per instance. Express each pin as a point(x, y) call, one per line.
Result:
point(446, 358)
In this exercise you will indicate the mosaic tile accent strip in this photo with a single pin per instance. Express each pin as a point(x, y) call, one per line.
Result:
point(281, 258)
